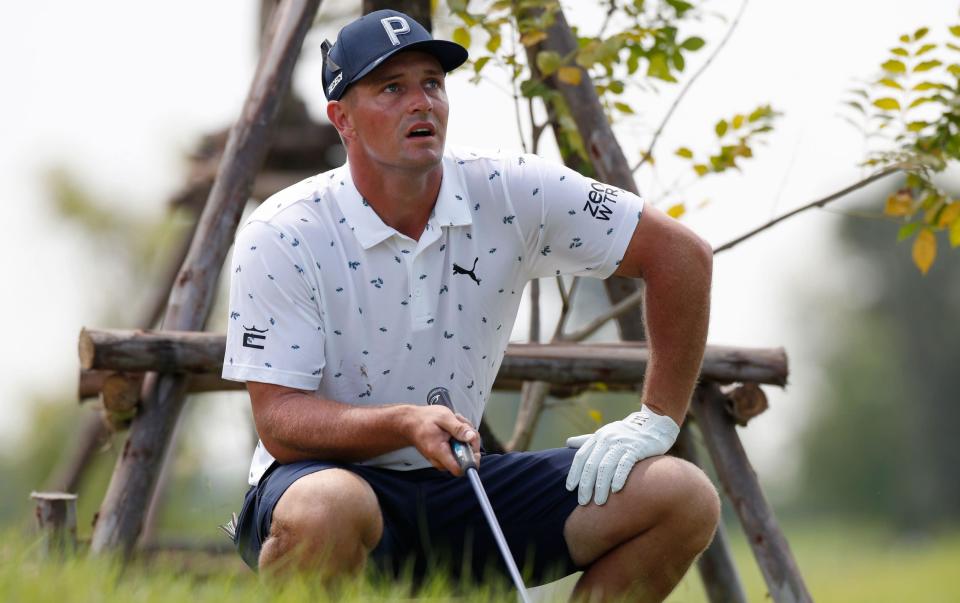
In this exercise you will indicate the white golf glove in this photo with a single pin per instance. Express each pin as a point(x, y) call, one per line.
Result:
point(606, 457)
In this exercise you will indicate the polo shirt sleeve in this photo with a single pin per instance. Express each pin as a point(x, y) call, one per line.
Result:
point(570, 224)
point(275, 333)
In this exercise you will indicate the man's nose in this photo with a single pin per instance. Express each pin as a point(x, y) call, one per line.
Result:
point(420, 100)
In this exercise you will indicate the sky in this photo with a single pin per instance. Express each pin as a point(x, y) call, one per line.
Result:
point(118, 92)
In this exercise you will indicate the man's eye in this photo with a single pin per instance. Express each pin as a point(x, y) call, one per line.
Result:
point(434, 83)
point(391, 88)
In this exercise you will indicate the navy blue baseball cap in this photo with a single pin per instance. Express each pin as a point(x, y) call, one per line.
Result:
point(373, 38)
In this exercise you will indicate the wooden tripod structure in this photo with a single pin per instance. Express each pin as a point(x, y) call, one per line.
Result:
point(151, 372)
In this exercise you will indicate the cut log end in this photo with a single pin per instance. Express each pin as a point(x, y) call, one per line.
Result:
point(56, 515)
point(120, 392)
point(745, 402)
point(86, 349)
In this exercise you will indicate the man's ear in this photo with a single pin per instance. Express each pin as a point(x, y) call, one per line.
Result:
point(339, 116)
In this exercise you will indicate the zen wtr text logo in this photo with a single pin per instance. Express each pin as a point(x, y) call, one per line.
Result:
point(598, 200)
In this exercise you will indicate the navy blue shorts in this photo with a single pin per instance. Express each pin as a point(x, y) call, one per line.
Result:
point(432, 520)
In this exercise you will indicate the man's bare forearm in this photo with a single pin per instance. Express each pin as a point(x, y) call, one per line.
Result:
point(298, 426)
point(677, 312)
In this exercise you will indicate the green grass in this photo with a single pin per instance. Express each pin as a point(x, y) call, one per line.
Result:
point(841, 563)
point(846, 563)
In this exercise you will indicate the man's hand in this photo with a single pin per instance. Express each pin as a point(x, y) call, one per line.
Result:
point(430, 430)
point(606, 457)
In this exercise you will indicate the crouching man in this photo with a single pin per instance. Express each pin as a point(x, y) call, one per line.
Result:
point(357, 291)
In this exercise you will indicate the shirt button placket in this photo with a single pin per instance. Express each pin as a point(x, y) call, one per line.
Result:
point(421, 307)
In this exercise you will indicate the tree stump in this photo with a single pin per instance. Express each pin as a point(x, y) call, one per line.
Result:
point(56, 514)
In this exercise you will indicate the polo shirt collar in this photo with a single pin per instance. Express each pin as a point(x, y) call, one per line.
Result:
point(451, 209)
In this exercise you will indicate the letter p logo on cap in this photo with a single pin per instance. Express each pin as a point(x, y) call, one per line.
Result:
point(388, 26)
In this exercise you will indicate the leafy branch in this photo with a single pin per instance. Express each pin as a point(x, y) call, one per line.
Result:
point(914, 108)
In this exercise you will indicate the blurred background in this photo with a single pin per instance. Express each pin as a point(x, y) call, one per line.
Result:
point(105, 102)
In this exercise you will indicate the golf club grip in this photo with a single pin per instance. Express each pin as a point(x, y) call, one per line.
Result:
point(461, 450)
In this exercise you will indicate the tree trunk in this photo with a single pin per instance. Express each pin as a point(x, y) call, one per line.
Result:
point(740, 484)
point(134, 479)
point(418, 9)
point(606, 156)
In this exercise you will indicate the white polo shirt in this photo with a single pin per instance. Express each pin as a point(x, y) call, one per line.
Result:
point(325, 297)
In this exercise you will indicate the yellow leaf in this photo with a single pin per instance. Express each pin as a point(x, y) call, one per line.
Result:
point(894, 66)
point(955, 234)
point(701, 169)
point(887, 104)
point(677, 210)
point(926, 66)
point(462, 37)
point(685, 153)
point(569, 75)
point(890, 83)
point(737, 121)
point(949, 215)
point(532, 37)
point(930, 215)
point(596, 416)
point(899, 204)
point(924, 250)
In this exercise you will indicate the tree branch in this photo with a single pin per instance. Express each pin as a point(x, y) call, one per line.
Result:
point(899, 167)
point(687, 86)
point(516, 99)
point(565, 308)
point(635, 299)
point(619, 309)
point(536, 130)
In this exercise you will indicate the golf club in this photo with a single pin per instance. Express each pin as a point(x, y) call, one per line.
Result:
point(464, 456)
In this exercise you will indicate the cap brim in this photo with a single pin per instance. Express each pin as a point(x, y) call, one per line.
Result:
point(450, 54)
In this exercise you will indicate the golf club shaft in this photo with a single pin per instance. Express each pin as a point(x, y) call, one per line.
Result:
point(497, 532)
point(464, 455)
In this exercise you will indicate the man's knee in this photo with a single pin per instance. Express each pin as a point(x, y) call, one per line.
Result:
point(661, 491)
point(329, 518)
point(693, 504)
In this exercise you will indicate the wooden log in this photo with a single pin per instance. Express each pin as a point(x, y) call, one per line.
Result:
point(717, 570)
point(127, 350)
point(747, 400)
point(119, 398)
point(56, 514)
point(741, 487)
point(120, 392)
point(559, 363)
point(131, 487)
point(92, 381)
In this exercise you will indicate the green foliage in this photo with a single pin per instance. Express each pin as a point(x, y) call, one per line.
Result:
point(736, 137)
point(913, 108)
point(649, 47)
